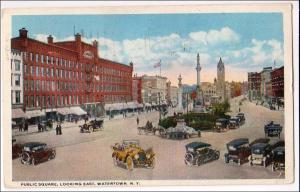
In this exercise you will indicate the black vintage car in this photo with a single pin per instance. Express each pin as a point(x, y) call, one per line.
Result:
point(260, 154)
point(278, 158)
point(238, 151)
point(198, 153)
point(36, 152)
point(241, 116)
point(221, 124)
point(91, 126)
point(273, 130)
point(234, 123)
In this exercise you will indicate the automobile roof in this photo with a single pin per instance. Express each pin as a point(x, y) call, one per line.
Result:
point(279, 149)
point(260, 140)
point(33, 144)
point(238, 142)
point(240, 114)
point(233, 118)
point(259, 145)
point(222, 119)
point(197, 145)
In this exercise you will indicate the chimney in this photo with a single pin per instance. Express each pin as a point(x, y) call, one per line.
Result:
point(131, 64)
point(23, 33)
point(50, 39)
point(78, 37)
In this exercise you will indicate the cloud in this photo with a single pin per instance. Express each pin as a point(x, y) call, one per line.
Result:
point(178, 54)
point(213, 37)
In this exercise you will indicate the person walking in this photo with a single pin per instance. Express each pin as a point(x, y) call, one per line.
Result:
point(239, 109)
point(137, 121)
point(20, 127)
point(57, 129)
point(60, 129)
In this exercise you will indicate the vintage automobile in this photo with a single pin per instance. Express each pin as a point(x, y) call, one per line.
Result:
point(260, 140)
point(92, 125)
point(272, 130)
point(221, 124)
point(36, 152)
point(260, 154)
point(234, 123)
point(148, 128)
point(180, 131)
point(198, 153)
point(16, 149)
point(130, 154)
point(241, 116)
point(278, 158)
point(238, 151)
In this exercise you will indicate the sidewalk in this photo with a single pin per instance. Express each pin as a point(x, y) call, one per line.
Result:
point(266, 106)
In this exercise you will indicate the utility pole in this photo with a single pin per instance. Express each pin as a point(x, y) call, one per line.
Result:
point(159, 106)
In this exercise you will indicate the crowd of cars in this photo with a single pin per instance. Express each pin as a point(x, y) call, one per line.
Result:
point(223, 124)
point(130, 154)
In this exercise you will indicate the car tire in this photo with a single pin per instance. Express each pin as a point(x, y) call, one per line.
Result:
point(217, 155)
point(52, 156)
point(129, 164)
point(188, 162)
point(33, 161)
point(91, 129)
point(25, 158)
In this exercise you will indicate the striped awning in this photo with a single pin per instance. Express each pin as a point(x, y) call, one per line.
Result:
point(35, 113)
point(18, 113)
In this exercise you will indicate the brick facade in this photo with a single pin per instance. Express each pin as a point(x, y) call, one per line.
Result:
point(277, 76)
point(58, 74)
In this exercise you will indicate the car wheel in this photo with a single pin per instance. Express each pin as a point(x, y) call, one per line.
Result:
point(152, 164)
point(239, 162)
point(25, 158)
point(33, 161)
point(188, 160)
point(91, 129)
point(129, 163)
point(217, 155)
point(250, 163)
point(52, 156)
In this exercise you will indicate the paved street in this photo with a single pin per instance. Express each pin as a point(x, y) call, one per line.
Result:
point(88, 155)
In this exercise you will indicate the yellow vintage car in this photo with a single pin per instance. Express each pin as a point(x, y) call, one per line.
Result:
point(130, 154)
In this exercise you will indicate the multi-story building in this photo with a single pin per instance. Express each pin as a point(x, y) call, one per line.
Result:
point(277, 76)
point(174, 91)
point(254, 83)
point(154, 89)
point(69, 73)
point(209, 91)
point(16, 79)
point(137, 89)
point(265, 82)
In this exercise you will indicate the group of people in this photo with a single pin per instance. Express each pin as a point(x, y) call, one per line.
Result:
point(41, 127)
point(23, 126)
point(58, 129)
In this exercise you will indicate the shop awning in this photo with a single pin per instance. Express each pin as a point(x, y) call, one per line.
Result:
point(35, 113)
point(130, 105)
point(147, 104)
point(115, 106)
point(18, 113)
point(78, 111)
point(65, 111)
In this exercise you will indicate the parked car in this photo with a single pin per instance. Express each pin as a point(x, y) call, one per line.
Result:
point(36, 152)
point(221, 124)
point(130, 154)
point(198, 153)
point(16, 149)
point(238, 151)
point(234, 123)
point(92, 125)
point(278, 158)
point(260, 140)
point(260, 154)
point(273, 130)
point(241, 116)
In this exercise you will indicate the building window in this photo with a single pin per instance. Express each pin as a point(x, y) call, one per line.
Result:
point(37, 85)
point(31, 56)
point(17, 65)
point(52, 60)
point(42, 58)
point(36, 57)
point(47, 59)
point(56, 61)
point(17, 80)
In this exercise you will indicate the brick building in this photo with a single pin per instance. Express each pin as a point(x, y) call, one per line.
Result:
point(277, 76)
point(69, 73)
point(254, 83)
point(137, 89)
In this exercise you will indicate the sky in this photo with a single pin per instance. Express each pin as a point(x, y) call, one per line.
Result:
point(245, 41)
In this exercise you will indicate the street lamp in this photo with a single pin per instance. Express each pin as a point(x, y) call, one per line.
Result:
point(159, 106)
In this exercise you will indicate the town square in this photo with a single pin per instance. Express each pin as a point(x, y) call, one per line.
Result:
point(134, 97)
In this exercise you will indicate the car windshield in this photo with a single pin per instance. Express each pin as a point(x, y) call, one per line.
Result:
point(231, 148)
point(38, 148)
point(279, 153)
point(257, 151)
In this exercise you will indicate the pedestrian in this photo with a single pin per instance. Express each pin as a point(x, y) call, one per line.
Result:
point(39, 127)
point(60, 129)
point(20, 127)
point(199, 133)
point(137, 121)
point(26, 126)
point(239, 109)
point(57, 129)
